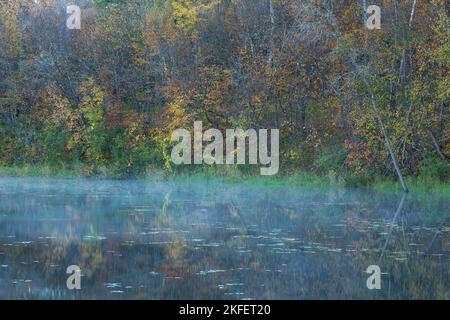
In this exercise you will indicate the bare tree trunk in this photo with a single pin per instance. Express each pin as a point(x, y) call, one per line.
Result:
point(272, 31)
point(378, 116)
point(413, 10)
point(433, 138)
point(436, 145)
point(411, 20)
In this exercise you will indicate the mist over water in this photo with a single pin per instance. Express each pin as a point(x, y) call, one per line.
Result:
point(211, 240)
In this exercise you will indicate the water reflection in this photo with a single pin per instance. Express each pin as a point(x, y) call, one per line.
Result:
point(391, 229)
point(203, 240)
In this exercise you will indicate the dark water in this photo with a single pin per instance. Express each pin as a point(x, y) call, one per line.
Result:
point(204, 240)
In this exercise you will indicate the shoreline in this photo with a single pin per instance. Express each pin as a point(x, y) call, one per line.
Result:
point(298, 179)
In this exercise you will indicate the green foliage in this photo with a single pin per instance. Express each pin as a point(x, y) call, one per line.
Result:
point(89, 136)
point(332, 159)
point(433, 168)
point(52, 142)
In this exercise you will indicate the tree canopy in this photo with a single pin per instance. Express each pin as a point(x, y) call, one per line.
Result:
point(110, 94)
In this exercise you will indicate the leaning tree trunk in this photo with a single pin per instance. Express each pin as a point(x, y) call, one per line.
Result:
point(376, 111)
point(385, 133)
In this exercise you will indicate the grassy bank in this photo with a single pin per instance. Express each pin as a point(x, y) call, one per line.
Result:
point(39, 171)
point(232, 175)
point(415, 184)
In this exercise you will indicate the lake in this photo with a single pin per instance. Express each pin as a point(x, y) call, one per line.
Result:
point(210, 240)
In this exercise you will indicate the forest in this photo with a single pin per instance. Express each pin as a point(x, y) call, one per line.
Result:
point(351, 104)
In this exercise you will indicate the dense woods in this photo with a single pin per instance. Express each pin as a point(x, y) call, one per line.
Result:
point(347, 100)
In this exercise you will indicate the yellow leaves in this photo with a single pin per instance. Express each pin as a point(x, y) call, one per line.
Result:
point(177, 114)
point(178, 20)
point(294, 155)
point(9, 29)
point(184, 14)
point(91, 106)
point(87, 125)
point(73, 141)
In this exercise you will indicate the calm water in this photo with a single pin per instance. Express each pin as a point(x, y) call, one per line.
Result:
point(167, 240)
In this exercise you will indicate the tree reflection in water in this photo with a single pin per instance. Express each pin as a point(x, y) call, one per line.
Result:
point(205, 240)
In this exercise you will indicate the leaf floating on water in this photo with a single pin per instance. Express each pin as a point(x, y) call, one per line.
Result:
point(113, 285)
point(204, 273)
